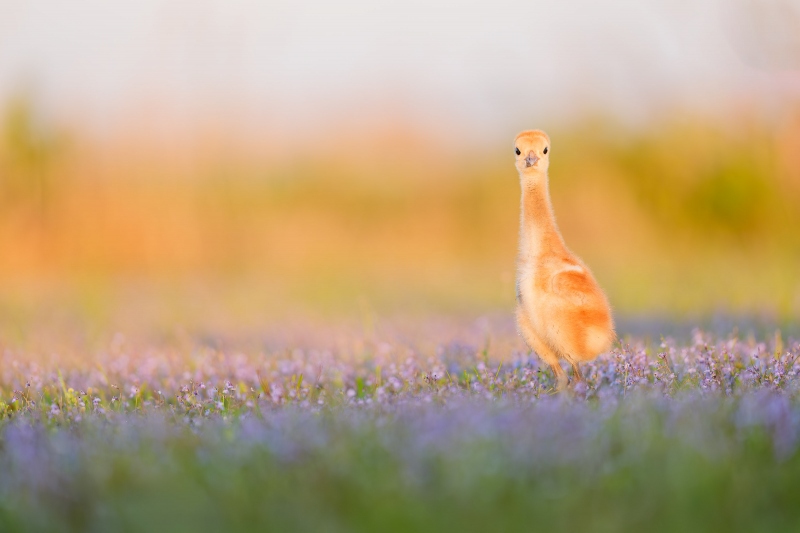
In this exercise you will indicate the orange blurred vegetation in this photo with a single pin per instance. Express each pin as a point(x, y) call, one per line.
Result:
point(688, 215)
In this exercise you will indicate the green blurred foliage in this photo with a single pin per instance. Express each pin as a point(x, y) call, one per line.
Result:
point(29, 148)
point(698, 178)
point(704, 182)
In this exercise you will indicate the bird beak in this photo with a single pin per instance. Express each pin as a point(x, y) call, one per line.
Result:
point(531, 159)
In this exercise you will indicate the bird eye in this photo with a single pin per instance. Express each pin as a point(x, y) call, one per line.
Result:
point(517, 150)
point(545, 149)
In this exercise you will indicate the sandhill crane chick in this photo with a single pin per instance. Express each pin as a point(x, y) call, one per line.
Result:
point(561, 310)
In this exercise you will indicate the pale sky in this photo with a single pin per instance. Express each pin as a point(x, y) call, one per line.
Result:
point(491, 66)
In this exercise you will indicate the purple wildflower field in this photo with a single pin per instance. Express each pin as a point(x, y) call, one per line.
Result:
point(415, 427)
point(343, 368)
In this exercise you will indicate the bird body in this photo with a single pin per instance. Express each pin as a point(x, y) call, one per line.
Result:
point(561, 310)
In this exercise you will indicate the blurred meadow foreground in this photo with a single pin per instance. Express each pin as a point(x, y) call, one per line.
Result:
point(257, 267)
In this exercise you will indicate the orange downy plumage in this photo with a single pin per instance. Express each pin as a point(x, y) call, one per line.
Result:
point(561, 310)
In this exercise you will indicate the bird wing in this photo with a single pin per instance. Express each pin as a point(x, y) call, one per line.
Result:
point(573, 284)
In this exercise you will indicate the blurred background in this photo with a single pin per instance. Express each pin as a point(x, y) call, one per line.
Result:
point(233, 163)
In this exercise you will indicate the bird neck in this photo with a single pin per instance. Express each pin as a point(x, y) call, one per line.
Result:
point(538, 230)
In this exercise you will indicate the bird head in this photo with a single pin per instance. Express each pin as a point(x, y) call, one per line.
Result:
point(532, 149)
